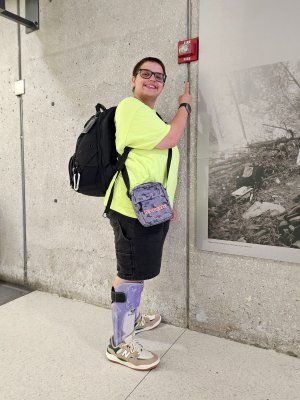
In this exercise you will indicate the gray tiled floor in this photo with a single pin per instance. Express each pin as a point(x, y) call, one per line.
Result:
point(53, 348)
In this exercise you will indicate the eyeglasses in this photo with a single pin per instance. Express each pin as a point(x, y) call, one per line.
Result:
point(146, 74)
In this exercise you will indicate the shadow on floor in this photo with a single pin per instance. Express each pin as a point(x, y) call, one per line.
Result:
point(10, 292)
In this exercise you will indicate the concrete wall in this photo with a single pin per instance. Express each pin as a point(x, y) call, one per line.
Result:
point(246, 299)
point(84, 53)
point(11, 238)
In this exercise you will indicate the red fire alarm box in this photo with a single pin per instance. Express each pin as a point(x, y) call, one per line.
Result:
point(188, 50)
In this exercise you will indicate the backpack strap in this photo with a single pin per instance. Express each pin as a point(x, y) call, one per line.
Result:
point(119, 167)
point(126, 181)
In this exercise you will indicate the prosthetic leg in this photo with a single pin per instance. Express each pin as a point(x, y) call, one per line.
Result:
point(125, 304)
point(137, 310)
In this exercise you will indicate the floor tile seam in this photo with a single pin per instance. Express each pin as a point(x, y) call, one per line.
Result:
point(175, 341)
point(140, 382)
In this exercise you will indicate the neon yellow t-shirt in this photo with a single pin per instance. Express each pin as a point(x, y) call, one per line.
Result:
point(138, 126)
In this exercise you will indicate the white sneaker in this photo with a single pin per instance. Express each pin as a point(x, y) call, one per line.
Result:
point(132, 354)
point(145, 322)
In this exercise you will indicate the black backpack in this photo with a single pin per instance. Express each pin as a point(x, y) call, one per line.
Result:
point(96, 160)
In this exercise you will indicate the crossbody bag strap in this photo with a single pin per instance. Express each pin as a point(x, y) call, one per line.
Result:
point(168, 166)
point(125, 172)
point(126, 176)
point(169, 155)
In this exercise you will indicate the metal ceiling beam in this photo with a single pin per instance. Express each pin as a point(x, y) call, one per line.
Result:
point(32, 15)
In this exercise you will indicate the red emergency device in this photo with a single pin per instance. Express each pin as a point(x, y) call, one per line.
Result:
point(188, 50)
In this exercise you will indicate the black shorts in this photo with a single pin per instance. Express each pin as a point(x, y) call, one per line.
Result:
point(138, 249)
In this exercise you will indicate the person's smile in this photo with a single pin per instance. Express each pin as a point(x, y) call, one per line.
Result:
point(150, 86)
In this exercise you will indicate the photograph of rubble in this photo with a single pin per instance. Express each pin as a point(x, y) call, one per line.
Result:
point(254, 156)
point(248, 140)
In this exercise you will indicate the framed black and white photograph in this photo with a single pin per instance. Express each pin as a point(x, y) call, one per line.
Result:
point(248, 180)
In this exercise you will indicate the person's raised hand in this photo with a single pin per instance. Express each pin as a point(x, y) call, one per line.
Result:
point(186, 96)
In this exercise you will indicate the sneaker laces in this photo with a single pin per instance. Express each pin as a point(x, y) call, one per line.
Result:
point(135, 346)
point(143, 320)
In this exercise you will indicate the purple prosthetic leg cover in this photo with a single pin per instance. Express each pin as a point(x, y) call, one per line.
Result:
point(123, 314)
point(137, 310)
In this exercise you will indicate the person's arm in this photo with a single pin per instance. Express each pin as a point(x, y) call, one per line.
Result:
point(178, 123)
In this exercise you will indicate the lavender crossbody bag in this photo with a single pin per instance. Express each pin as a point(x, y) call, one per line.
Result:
point(151, 202)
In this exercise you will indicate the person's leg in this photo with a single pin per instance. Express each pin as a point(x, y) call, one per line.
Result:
point(126, 296)
point(149, 253)
point(118, 281)
point(123, 348)
point(127, 287)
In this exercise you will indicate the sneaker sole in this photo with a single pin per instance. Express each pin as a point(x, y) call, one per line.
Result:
point(149, 327)
point(116, 360)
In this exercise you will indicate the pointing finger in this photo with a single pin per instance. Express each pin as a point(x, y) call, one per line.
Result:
point(187, 87)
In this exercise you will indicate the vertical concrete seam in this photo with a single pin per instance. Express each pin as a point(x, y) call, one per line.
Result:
point(22, 155)
point(188, 23)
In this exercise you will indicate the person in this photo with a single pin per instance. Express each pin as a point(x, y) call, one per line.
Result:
point(139, 249)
